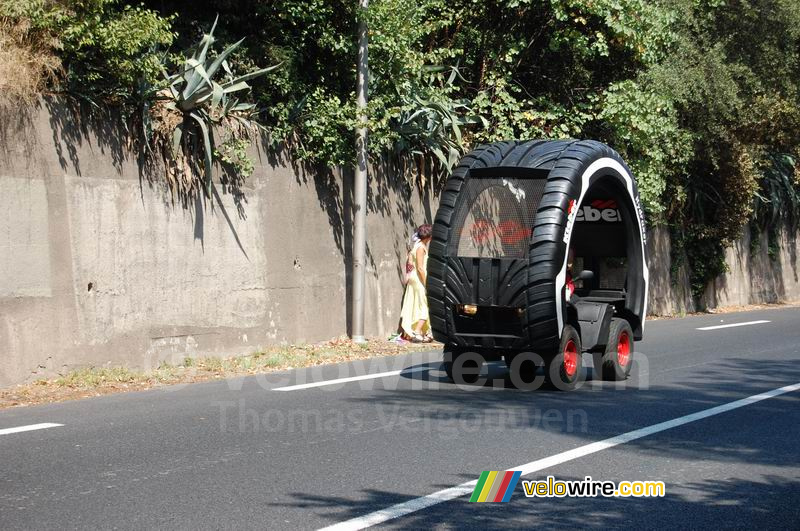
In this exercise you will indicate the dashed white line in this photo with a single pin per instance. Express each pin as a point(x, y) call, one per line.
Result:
point(350, 379)
point(717, 327)
point(29, 427)
point(417, 504)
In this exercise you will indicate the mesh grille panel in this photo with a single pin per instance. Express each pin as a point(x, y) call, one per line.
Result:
point(612, 273)
point(495, 217)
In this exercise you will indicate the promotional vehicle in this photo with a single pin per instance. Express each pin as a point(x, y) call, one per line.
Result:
point(537, 256)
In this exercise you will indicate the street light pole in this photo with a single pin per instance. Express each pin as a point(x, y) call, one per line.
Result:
point(360, 199)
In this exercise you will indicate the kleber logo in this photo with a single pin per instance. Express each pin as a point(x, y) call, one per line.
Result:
point(495, 486)
point(600, 210)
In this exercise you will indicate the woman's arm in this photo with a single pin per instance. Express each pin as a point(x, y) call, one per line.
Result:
point(423, 274)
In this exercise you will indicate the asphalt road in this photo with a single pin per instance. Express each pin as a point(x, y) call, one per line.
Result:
point(241, 454)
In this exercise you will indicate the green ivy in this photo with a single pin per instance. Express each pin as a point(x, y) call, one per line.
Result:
point(646, 130)
point(109, 49)
point(232, 152)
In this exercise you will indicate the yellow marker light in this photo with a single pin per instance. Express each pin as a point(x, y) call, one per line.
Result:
point(469, 309)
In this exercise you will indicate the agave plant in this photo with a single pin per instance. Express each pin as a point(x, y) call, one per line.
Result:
point(430, 122)
point(779, 195)
point(192, 102)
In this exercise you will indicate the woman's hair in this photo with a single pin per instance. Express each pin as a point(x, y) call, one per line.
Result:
point(420, 233)
point(424, 231)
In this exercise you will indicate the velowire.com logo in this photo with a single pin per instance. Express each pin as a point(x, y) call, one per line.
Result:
point(495, 486)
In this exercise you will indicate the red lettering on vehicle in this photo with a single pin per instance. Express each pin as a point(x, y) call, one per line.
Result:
point(602, 204)
point(509, 232)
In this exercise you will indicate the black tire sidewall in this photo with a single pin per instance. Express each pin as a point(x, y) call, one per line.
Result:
point(610, 367)
point(523, 370)
point(555, 372)
point(455, 360)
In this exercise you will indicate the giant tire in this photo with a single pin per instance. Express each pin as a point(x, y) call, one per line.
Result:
point(566, 163)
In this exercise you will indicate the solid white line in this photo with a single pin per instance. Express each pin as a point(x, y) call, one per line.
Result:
point(732, 325)
point(417, 504)
point(350, 379)
point(30, 427)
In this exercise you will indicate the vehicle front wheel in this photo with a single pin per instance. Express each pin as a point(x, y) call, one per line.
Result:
point(614, 363)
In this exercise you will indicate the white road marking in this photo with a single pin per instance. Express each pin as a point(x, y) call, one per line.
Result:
point(417, 504)
point(29, 427)
point(350, 379)
point(717, 327)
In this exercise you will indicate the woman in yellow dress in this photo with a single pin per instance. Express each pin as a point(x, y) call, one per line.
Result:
point(414, 313)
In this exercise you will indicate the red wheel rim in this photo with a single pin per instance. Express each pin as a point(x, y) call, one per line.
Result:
point(624, 349)
point(570, 359)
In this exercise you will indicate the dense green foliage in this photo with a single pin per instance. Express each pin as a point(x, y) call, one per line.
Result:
point(107, 48)
point(702, 97)
point(733, 76)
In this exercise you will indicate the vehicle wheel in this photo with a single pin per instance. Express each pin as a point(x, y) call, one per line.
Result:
point(615, 362)
point(565, 368)
point(527, 367)
point(448, 367)
point(462, 367)
point(448, 357)
point(523, 368)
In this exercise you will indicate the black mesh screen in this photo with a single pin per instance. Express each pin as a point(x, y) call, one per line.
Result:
point(613, 271)
point(495, 217)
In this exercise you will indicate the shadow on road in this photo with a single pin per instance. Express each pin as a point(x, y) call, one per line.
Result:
point(770, 495)
point(726, 503)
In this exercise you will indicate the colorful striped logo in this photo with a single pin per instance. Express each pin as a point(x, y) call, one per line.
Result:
point(494, 486)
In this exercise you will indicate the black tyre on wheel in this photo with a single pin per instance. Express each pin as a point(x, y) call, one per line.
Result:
point(614, 363)
point(462, 367)
point(523, 364)
point(523, 369)
point(564, 370)
point(448, 368)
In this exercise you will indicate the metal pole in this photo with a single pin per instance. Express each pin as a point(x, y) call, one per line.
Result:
point(360, 199)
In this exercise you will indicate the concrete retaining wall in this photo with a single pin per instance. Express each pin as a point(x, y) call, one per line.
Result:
point(754, 277)
point(98, 267)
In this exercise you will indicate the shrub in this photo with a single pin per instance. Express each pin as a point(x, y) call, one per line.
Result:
point(106, 49)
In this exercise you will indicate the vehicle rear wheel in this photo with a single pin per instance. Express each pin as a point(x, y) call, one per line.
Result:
point(523, 368)
point(462, 367)
point(523, 363)
point(565, 368)
point(448, 367)
point(614, 363)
